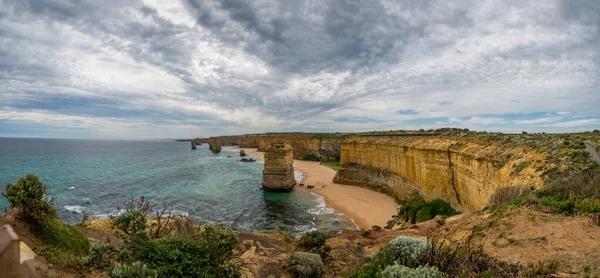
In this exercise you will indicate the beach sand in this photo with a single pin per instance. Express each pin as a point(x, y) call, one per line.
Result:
point(364, 206)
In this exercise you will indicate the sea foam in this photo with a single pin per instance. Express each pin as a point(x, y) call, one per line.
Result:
point(75, 209)
point(298, 176)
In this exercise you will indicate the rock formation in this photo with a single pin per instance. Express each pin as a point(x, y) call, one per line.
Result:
point(278, 174)
point(326, 147)
point(465, 174)
point(214, 145)
point(243, 153)
point(193, 145)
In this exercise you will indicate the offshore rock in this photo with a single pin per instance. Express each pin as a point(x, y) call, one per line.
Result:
point(193, 145)
point(214, 145)
point(278, 174)
point(243, 153)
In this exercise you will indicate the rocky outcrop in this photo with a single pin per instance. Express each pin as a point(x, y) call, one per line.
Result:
point(243, 153)
point(214, 145)
point(307, 146)
point(193, 145)
point(278, 173)
point(464, 174)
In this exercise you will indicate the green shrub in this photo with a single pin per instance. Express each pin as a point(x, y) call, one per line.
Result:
point(400, 271)
point(314, 242)
point(29, 195)
point(99, 256)
point(130, 223)
point(415, 209)
point(311, 157)
point(556, 204)
point(135, 270)
point(588, 205)
point(404, 250)
point(54, 233)
point(210, 255)
point(305, 265)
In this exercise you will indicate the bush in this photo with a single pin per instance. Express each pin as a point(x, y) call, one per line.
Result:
point(305, 265)
point(400, 271)
point(210, 255)
point(505, 194)
point(29, 195)
point(404, 250)
point(135, 270)
point(54, 233)
point(130, 223)
point(415, 209)
point(314, 242)
point(311, 157)
point(99, 256)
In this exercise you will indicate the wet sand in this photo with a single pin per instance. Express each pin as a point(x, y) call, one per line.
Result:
point(364, 206)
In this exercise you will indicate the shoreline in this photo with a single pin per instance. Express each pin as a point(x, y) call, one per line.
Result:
point(365, 207)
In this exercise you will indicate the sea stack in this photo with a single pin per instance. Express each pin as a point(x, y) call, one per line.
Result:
point(278, 174)
point(243, 153)
point(214, 145)
point(193, 145)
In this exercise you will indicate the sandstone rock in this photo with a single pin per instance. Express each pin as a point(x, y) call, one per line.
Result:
point(278, 173)
point(247, 160)
point(215, 145)
point(243, 153)
point(193, 146)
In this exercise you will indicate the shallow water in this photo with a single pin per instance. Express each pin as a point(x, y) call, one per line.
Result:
point(96, 176)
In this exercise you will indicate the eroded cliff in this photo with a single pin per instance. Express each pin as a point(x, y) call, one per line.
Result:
point(461, 172)
point(307, 146)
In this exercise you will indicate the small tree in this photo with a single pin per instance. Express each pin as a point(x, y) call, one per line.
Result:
point(28, 195)
point(130, 223)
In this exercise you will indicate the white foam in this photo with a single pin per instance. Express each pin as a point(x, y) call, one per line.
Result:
point(298, 176)
point(75, 209)
point(321, 207)
point(114, 213)
point(72, 187)
point(180, 213)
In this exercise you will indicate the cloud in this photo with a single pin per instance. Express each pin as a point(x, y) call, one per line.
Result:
point(563, 113)
point(209, 67)
point(577, 123)
point(476, 120)
point(539, 120)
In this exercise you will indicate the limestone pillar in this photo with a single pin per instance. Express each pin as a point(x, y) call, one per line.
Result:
point(214, 145)
point(278, 174)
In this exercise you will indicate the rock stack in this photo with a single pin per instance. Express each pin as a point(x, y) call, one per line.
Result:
point(278, 174)
point(243, 153)
point(193, 145)
point(214, 145)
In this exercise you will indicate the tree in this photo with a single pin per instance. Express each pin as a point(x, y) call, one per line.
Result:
point(29, 195)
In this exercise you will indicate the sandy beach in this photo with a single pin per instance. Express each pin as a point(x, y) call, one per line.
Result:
point(365, 207)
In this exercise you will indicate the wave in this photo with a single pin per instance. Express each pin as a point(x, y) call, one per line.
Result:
point(113, 213)
point(72, 187)
point(321, 207)
point(298, 176)
point(75, 209)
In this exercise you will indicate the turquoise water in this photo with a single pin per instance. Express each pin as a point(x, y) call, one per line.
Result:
point(96, 176)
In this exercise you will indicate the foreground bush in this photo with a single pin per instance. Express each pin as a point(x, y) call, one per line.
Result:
point(400, 271)
point(305, 265)
point(314, 242)
point(99, 256)
point(29, 195)
point(505, 194)
point(462, 261)
point(135, 270)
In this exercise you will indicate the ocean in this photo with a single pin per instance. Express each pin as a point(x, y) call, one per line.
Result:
point(97, 176)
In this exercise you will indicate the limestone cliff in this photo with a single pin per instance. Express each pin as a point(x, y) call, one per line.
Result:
point(306, 145)
point(278, 173)
point(462, 173)
point(215, 145)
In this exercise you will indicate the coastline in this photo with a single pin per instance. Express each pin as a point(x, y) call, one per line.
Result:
point(366, 207)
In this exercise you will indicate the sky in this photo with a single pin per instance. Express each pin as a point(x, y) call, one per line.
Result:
point(197, 68)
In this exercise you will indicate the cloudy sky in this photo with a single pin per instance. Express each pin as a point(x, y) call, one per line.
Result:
point(174, 69)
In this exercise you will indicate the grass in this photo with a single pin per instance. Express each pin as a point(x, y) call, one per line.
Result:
point(416, 209)
point(65, 244)
point(335, 165)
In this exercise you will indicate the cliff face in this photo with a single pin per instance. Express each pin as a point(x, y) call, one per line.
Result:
point(305, 145)
point(464, 174)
